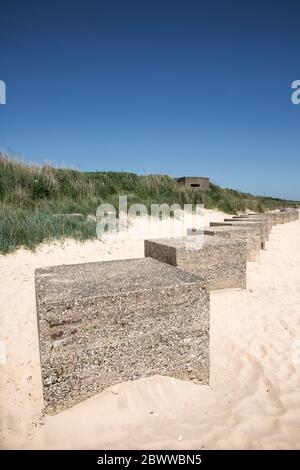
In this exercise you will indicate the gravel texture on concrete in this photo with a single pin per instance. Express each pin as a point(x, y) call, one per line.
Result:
point(108, 322)
point(250, 235)
point(220, 262)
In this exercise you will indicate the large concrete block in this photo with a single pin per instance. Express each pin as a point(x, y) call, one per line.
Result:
point(288, 217)
point(263, 221)
point(250, 235)
point(295, 214)
point(221, 263)
point(283, 217)
point(290, 214)
point(264, 227)
point(105, 323)
point(244, 223)
point(268, 217)
point(280, 217)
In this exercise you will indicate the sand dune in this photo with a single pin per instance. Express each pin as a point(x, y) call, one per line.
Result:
point(252, 402)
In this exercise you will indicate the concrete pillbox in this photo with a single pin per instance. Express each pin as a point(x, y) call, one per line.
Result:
point(108, 322)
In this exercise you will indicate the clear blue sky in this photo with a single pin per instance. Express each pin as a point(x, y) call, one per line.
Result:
point(176, 87)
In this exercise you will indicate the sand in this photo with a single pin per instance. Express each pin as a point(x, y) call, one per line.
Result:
point(252, 402)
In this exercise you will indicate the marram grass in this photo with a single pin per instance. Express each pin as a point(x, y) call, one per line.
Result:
point(31, 195)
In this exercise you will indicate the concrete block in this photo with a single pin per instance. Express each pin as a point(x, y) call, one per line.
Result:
point(264, 225)
point(269, 217)
point(246, 223)
point(250, 235)
point(290, 214)
point(105, 323)
point(265, 222)
point(220, 262)
point(280, 217)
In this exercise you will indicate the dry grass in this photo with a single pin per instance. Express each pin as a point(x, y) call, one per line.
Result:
point(30, 195)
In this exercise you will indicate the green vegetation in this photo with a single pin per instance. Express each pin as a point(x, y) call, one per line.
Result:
point(31, 195)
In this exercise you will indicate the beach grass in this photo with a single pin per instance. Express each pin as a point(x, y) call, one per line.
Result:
point(32, 197)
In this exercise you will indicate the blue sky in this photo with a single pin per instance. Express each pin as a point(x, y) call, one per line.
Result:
point(176, 87)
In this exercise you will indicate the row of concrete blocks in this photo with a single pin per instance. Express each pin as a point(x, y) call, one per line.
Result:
point(108, 322)
point(256, 228)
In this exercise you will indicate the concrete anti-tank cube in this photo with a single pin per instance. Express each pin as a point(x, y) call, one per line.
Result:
point(294, 214)
point(264, 226)
point(108, 322)
point(267, 217)
point(250, 235)
point(264, 223)
point(221, 263)
point(245, 223)
point(280, 217)
point(288, 217)
point(290, 214)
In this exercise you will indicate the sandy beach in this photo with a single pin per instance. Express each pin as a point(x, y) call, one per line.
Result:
point(252, 402)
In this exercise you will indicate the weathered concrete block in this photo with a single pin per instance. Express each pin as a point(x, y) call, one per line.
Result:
point(295, 214)
point(264, 225)
point(250, 235)
point(221, 263)
point(105, 323)
point(246, 223)
point(283, 217)
point(268, 217)
point(280, 217)
point(290, 214)
point(288, 217)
